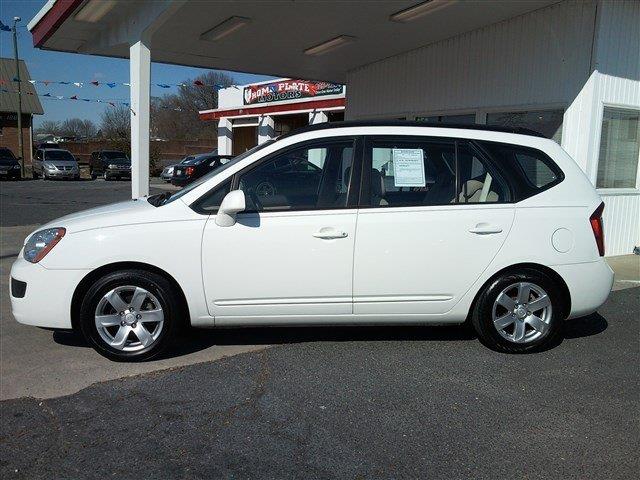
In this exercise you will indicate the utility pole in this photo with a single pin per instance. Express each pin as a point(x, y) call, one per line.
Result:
point(15, 54)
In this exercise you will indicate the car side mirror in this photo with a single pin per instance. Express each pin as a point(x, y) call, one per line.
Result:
point(233, 203)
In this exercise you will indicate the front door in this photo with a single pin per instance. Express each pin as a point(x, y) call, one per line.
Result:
point(290, 255)
point(437, 217)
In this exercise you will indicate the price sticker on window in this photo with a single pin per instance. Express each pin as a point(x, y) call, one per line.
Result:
point(408, 167)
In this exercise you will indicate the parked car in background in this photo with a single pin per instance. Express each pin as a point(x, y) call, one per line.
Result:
point(499, 227)
point(109, 164)
point(196, 166)
point(9, 166)
point(167, 173)
point(55, 163)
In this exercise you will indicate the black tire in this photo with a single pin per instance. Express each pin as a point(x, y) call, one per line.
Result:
point(92, 175)
point(34, 175)
point(155, 284)
point(482, 314)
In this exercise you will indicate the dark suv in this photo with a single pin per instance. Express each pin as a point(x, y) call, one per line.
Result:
point(9, 166)
point(109, 164)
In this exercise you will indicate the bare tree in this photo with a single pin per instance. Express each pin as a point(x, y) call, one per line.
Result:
point(176, 115)
point(49, 127)
point(115, 123)
point(78, 128)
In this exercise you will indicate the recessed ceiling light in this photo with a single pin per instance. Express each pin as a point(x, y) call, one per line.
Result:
point(329, 45)
point(411, 13)
point(225, 28)
point(94, 10)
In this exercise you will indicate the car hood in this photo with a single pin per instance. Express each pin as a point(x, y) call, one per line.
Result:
point(115, 214)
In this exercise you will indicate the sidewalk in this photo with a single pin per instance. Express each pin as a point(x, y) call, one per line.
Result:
point(627, 270)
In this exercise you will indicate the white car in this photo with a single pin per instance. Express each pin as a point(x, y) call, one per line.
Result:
point(335, 224)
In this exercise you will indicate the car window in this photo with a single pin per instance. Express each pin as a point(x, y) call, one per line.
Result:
point(304, 178)
point(60, 155)
point(476, 183)
point(214, 172)
point(412, 173)
point(210, 202)
point(427, 172)
point(114, 154)
point(529, 170)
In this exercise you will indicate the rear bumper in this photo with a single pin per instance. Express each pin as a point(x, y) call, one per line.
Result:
point(46, 299)
point(589, 285)
point(62, 174)
point(13, 173)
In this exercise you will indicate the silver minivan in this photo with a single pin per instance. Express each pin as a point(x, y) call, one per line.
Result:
point(55, 163)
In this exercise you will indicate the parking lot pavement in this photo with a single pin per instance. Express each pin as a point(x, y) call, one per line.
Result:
point(38, 201)
point(354, 403)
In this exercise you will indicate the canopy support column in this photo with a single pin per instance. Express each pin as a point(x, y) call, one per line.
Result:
point(140, 74)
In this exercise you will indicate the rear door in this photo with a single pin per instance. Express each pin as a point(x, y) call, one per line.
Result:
point(437, 214)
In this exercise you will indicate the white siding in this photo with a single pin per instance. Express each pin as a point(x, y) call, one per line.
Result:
point(615, 81)
point(621, 223)
point(539, 58)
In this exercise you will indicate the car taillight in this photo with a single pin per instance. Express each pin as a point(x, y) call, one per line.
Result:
point(598, 228)
point(189, 171)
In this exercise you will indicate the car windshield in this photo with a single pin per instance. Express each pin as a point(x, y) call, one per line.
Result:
point(112, 155)
point(214, 172)
point(192, 160)
point(120, 161)
point(6, 156)
point(58, 155)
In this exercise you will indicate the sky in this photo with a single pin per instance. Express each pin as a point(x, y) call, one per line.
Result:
point(48, 65)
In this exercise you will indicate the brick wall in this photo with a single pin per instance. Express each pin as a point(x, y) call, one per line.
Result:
point(9, 137)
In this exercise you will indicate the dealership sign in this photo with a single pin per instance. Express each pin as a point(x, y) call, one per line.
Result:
point(289, 90)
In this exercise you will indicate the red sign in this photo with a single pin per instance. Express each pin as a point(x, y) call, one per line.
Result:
point(289, 90)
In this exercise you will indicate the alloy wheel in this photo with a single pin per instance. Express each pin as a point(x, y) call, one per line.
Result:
point(522, 312)
point(129, 318)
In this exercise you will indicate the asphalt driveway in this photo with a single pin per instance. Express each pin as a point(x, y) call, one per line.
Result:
point(354, 403)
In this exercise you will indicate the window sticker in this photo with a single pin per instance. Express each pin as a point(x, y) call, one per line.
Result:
point(408, 167)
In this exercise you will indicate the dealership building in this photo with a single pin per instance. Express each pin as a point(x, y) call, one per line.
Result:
point(569, 69)
point(248, 115)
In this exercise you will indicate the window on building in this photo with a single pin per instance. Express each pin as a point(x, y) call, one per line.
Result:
point(545, 122)
point(619, 149)
point(306, 178)
point(467, 119)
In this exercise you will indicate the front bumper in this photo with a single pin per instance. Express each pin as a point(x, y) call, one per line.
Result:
point(62, 173)
point(9, 172)
point(589, 285)
point(46, 301)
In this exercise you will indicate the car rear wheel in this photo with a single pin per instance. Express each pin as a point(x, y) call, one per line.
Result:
point(519, 313)
point(130, 315)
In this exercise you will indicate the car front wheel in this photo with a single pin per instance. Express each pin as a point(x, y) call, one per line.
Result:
point(130, 315)
point(519, 313)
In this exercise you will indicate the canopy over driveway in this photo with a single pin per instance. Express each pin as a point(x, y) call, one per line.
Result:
point(316, 40)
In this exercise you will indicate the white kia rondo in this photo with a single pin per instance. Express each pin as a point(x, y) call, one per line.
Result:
point(335, 224)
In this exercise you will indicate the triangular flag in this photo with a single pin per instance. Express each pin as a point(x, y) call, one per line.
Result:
point(46, 82)
point(198, 83)
point(78, 84)
point(32, 82)
point(86, 99)
point(164, 85)
point(95, 82)
point(75, 97)
point(111, 85)
point(59, 97)
point(46, 95)
point(112, 104)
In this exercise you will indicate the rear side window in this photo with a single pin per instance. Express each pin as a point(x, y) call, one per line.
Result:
point(530, 171)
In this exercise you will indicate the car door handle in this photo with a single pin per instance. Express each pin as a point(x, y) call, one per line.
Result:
point(329, 233)
point(485, 229)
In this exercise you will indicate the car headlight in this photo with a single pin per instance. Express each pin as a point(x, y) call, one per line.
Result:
point(16, 167)
point(41, 243)
point(169, 170)
point(48, 166)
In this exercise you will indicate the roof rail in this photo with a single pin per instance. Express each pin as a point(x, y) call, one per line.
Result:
point(411, 123)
